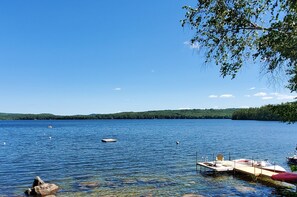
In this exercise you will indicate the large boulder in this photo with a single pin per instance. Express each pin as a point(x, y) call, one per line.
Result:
point(40, 188)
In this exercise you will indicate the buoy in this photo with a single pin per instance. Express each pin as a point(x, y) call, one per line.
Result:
point(109, 140)
point(50, 137)
point(177, 142)
point(4, 143)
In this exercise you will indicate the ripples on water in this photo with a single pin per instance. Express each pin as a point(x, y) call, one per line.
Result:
point(144, 162)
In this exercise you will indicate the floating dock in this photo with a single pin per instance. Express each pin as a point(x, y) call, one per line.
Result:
point(227, 166)
point(247, 167)
point(222, 166)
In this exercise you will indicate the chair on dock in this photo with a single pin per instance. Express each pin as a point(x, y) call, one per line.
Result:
point(220, 157)
point(219, 160)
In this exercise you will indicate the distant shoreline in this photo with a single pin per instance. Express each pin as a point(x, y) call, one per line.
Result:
point(285, 112)
point(160, 114)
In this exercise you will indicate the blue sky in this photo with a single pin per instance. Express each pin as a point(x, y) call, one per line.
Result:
point(83, 57)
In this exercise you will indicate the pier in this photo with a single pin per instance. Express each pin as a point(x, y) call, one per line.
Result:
point(247, 167)
point(227, 166)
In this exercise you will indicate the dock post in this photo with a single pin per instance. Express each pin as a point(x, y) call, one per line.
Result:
point(197, 161)
point(274, 166)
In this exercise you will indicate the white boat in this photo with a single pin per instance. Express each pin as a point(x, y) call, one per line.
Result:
point(261, 164)
point(109, 140)
point(271, 167)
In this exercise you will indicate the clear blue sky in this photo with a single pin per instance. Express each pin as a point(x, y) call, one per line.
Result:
point(82, 57)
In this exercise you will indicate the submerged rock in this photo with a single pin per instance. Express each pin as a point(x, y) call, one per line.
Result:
point(89, 184)
point(245, 189)
point(40, 188)
point(192, 195)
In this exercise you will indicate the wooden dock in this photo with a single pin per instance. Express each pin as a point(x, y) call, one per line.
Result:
point(223, 166)
point(226, 166)
point(255, 171)
point(240, 166)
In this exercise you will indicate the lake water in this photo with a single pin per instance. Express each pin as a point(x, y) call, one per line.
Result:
point(144, 162)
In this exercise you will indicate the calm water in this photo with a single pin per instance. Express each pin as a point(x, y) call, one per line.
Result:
point(144, 162)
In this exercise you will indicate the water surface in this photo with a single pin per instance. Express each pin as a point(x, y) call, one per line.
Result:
point(144, 162)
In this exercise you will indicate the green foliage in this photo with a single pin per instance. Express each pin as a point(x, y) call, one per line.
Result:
point(234, 31)
point(286, 112)
point(162, 114)
point(262, 113)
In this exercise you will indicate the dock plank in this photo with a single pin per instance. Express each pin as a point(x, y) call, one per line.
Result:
point(254, 171)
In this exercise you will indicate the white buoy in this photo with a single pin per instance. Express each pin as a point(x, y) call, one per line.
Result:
point(109, 140)
point(177, 142)
point(4, 143)
point(50, 137)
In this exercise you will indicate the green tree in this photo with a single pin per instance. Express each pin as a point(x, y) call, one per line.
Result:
point(234, 31)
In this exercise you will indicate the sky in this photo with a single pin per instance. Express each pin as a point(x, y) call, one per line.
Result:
point(82, 57)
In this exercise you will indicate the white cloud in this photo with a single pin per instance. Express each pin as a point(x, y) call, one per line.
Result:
point(247, 95)
point(260, 94)
point(221, 96)
point(267, 97)
point(226, 96)
point(213, 96)
point(244, 106)
point(117, 89)
point(274, 95)
point(252, 88)
point(184, 108)
point(285, 97)
point(279, 96)
point(194, 45)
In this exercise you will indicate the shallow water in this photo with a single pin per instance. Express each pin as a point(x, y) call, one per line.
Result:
point(145, 161)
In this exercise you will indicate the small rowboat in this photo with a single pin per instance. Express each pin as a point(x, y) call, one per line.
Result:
point(109, 140)
point(286, 177)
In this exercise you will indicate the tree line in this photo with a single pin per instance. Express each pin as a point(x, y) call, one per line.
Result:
point(160, 114)
point(285, 112)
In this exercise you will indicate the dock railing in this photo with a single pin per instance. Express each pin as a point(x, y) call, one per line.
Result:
point(205, 157)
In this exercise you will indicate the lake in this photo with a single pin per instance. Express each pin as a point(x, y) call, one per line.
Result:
point(145, 161)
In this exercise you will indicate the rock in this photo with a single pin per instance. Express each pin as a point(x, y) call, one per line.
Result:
point(245, 189)
point(192, 195)
point(46, 189)
point(40, 188)
point(37, 181)
point(89, 184)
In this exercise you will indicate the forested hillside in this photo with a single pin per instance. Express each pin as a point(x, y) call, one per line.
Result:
point(286, 112)
point(161, 114)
